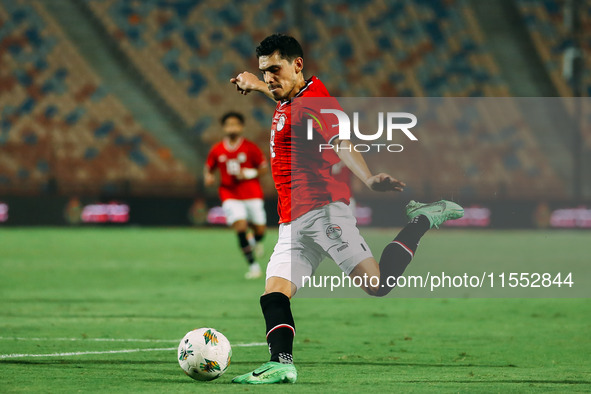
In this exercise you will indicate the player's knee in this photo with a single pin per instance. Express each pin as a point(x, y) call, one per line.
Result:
point(279, 285)
point(240, 226)
point(287, 293)
point(376, 288)
point(259, 230)
point(376, 291)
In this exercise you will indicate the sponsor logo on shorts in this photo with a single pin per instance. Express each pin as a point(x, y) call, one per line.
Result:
point(342, 247)
point(333, 231)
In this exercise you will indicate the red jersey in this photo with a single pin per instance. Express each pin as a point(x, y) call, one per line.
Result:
point(301, 171)
point(341, 173)
point(230, 160)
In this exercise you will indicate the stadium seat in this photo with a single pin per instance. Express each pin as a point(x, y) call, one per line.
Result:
point(60, 121)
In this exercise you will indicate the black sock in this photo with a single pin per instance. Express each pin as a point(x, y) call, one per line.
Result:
point(398, 254)
point(411, 234)
point(245, 246)
point(280, 326)
point(258, 238)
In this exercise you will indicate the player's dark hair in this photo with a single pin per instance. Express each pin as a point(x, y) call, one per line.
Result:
point(232, 114)
point(289, 48)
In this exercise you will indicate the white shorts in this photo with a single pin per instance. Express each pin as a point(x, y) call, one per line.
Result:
point(251, 210)
point(330, 231)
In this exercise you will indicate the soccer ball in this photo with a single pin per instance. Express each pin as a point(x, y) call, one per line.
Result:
point(204, 354)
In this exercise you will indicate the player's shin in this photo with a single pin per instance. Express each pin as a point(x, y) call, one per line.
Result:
point(280, 326)
point(258, 244)
point(246, 247)
point(259, 237)
point(398, 254)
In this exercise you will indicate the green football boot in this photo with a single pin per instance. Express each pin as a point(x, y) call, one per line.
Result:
point(437, 212)
point(270, 372)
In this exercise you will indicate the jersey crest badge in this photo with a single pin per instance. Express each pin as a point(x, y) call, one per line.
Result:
point(281, 122)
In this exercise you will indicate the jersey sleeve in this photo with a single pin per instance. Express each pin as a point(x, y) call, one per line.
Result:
point(211, 161)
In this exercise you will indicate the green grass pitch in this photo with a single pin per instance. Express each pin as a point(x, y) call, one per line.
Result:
point(62, 289)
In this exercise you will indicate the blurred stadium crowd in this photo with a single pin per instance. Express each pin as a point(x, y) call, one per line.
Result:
point(62, 130)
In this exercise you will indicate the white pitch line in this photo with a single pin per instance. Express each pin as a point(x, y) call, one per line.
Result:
point(3, 356)
point(16, 355)
point(117, 340)
point(250, 344)
point(91, 339)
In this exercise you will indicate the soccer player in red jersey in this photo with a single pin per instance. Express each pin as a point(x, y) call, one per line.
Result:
point(241, 163)
point(315, 220)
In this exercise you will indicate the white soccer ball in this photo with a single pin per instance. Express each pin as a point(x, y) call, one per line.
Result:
point(204, 354)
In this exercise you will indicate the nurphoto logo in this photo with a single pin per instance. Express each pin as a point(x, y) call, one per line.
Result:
point(344, 125)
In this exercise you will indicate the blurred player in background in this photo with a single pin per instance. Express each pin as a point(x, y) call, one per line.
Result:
point(318, 223)
point(241, 163)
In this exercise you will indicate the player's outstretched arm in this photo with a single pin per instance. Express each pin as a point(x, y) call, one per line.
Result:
point(248, 82)
point(208, 176)
point(251, 173)
point(354, 160)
